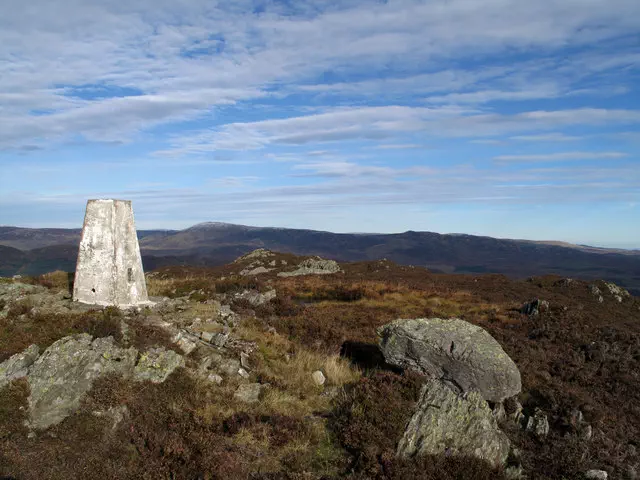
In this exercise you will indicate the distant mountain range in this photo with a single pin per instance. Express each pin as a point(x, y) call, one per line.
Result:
point(34, 251)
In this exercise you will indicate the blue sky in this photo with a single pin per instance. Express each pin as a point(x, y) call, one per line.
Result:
point(507, 118)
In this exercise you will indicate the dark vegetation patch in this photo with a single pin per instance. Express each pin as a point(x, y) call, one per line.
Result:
point(24, 326)
point(366, 356)
point(165, 434)
point(13, 410)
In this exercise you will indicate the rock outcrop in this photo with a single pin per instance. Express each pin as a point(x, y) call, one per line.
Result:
point(446, 423)
point(254, 297)
point(618, 293)
point(463, 355)
point(313, 266)
point(67, 370)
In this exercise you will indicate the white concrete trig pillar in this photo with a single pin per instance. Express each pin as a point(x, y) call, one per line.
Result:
point(109, 269)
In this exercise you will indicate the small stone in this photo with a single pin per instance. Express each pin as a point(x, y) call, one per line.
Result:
point(249, 392)
point(244, 360)
point(229, 366)
point(586, 432)
point(243, 373)
point(576, 417)
point(318, 377)
point(538, 424)
point(596, 475)
point(535, 307)
point(186, 345)
point(514, 473)
point(220, 339)
point(215, 378)
point(206, 336)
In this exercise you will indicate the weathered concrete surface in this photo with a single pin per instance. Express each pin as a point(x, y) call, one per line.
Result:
point(109, 269)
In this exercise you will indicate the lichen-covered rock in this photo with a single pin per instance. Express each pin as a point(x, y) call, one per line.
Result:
point(446, 423)
point(186, 342)
point(66, 371)
point(229, 366)
point(248, 272)
point(595, 291)
point(618, 293)
point(157, 364)
point(313, 266)
point(538, 424)
point(248, 392)
point(534, 307)
point(256, 254)
point(455, 351)
point(18, 365)
point(256, 298)
point(596, 475)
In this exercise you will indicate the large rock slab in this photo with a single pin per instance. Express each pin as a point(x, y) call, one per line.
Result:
point(66, 371)
point(446, 423)
point(455, 351)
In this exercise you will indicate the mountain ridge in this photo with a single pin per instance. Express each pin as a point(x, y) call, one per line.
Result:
point(217, 243)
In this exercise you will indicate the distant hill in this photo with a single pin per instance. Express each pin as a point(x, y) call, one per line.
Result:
point(39, 250)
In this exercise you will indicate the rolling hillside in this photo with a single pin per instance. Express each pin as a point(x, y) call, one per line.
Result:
point(41, 250)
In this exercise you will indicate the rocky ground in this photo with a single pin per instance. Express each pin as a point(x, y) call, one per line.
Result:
point(277, 366)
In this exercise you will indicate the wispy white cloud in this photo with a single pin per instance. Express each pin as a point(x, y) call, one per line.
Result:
point(548, 137)
point(188, 58)
point(376, 123)
point(552, 157)
point(398, 146)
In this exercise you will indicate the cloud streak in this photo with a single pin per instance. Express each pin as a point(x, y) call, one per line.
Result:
point(561, 156)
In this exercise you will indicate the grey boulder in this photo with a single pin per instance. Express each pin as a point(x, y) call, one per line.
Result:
point(446, 423)
point(457, 352)
point(67, 370)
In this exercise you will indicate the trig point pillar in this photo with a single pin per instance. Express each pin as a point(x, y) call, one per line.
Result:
point(109, 269)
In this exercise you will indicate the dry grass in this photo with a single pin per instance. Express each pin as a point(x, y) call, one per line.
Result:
point(57, 280)
point(288, 369)
point(189, 428)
